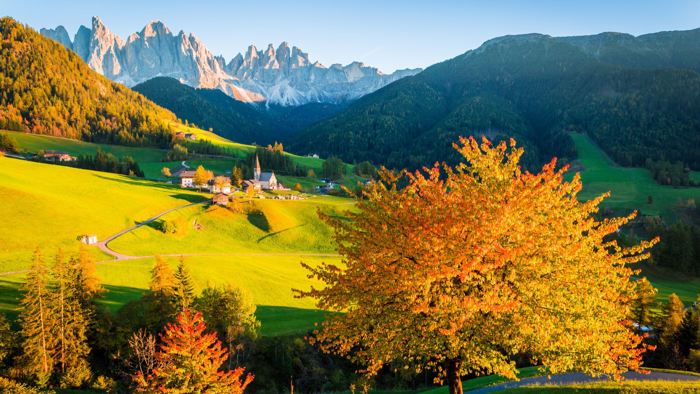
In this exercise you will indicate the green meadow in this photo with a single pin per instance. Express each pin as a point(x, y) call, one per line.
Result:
point(151, 159)
point(630, 187)
point(258, 249)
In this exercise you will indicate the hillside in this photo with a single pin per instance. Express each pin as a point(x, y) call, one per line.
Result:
point(221, 247)
point(46, 89)
point(231, 118)
point(637, 97)
point(210, 108)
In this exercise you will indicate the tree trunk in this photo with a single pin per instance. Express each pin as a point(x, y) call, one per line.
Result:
point(454, 378)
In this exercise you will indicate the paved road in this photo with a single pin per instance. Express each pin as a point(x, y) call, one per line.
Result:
point(103, 245)
point(571, 378)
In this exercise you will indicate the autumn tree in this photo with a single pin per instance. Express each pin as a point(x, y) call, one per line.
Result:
point(457, 269)
point(166, 172)
point(643, 302)
point(202, 176)
point(184, 289)
point(36, 325)
point(190, 360)
point(237, 176)
point(297, 187)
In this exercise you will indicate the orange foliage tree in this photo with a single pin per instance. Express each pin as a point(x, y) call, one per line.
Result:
point(457, 269)
point(189, 361)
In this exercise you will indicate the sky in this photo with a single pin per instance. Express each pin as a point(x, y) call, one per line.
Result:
point(389, 34)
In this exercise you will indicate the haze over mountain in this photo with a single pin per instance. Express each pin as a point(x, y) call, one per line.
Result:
point(638, 97)
point(282, 75)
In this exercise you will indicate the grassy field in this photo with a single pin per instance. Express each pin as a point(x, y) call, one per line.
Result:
point(630, 187)
point(484, 381)
point(47, 206)
point(629, 387)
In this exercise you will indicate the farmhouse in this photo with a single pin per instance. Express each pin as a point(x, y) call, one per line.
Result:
point(186, 178)
point(220, 199)
point(56, 155)
point(263, 180)
point(220, 184)
point(186, 136)
point(88, 239)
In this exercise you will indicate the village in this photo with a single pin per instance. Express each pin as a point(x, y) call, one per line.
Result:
point(222, 189)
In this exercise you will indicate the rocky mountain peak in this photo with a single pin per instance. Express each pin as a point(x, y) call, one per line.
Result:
point(284, 75)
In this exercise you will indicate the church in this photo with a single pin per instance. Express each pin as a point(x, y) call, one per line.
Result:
point(262, 180)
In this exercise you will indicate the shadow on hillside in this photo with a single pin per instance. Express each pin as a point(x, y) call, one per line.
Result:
point(280, 232)
point(258, 219)
point(9, 298)
point(158, 185)
point(117, 296)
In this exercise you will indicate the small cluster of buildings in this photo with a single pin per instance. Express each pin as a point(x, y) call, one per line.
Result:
point(57, 156)
point(220, 186)
point(186, 136)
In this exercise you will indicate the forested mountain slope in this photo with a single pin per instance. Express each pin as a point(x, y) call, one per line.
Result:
point(638, 97)
point(47, 89)
point(230, 118)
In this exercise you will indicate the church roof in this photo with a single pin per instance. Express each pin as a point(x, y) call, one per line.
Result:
point(266, 176)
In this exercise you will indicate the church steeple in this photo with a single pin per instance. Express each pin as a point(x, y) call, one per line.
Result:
point(256, 171)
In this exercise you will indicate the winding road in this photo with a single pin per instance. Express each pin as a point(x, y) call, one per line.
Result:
point(572, 378)
point(104, 246)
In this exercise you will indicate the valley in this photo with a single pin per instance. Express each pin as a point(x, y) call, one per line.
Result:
point(177, 222)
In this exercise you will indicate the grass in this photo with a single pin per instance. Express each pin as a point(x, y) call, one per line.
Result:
point(687, 288)
point(485, 381)
point(629, 187)
point(628, 387)
point(47, 206)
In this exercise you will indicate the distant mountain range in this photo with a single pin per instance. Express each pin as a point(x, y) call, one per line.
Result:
point(282, 76)
point(638, 97)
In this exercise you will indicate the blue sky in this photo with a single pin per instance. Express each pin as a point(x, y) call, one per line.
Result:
point(386, 34)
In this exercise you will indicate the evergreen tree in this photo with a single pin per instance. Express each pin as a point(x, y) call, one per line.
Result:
point(184, 291)
point(231, 313)
point(689, 332)
point(8, 339)
point(36, 321)
point(643, 303)
point(71, 325)
point(673, 317)
point(162, 296)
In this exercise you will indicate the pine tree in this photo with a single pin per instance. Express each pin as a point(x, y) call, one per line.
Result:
point(71, 325)
point(184, 291)
point(162, 296)
point(643, 303)
point(674, 312)
point(189, 361)
point(36, 321)
point(89, 283)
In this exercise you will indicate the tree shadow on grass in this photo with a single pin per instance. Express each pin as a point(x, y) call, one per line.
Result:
point(279, 232)
point(9, 298)
point(286, 320)
point(150, 184)
point(117, 296)
point(258, 219)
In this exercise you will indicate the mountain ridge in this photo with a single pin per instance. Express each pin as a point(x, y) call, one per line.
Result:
point(637, 97)
point(283, 76)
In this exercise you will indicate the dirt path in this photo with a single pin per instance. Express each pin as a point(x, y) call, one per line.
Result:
point(571, 378)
